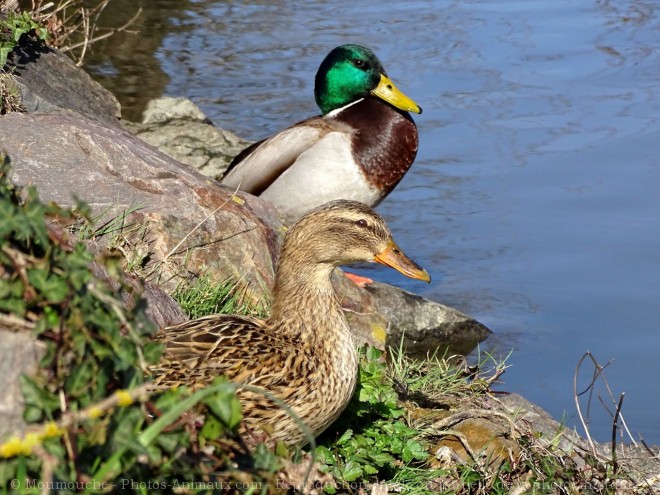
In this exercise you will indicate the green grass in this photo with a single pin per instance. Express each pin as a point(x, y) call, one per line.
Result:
point(203, 297)
point(441, 377)
point(93, 227)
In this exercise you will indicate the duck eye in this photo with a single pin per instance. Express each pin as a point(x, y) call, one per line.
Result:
point(358, 62)
point(361, 223)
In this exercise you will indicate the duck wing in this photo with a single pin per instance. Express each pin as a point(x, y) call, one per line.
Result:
point(259, 165)
point(239, 347)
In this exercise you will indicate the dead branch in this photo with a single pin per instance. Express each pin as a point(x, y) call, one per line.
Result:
point(89, 40)
point(68, 17)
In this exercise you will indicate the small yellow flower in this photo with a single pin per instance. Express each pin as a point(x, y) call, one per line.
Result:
point(95, 412)
point(24, 446)
point(124, 399)
point(51, 430)
point(13, 447)
point(31, 440)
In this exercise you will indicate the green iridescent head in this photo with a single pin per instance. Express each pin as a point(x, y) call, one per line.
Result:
point(351, 72)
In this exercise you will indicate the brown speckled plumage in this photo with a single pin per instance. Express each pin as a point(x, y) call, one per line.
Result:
point(304, 353)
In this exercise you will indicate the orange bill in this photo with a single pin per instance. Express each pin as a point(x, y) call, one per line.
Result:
point(393, 257)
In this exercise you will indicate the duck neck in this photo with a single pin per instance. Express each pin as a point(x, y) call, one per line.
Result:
point(306, 312)
point(305, 305)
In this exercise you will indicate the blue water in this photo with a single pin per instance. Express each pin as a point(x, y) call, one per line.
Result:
point(534, 201)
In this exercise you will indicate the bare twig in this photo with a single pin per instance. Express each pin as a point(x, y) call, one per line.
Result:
point(140, 393)
point(653, 453)
point(624, 425)
point(576, 397)
point(68, 17)
point(615, 465)
point(618, 420)
point(175, 248)
point(86, 42)
point(47, 468)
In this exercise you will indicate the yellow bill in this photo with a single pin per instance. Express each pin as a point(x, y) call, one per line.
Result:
point(393, 257)
point(386, 90)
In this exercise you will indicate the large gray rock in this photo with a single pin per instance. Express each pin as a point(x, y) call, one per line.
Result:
point(48, 81)
point(186, 223)
point(425, 325)
point(178, 128)
point(381, 314)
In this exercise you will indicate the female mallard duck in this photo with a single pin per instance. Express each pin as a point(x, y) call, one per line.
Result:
point(359, 149)
point(304, 353)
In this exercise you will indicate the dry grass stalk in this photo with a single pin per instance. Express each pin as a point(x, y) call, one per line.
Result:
point(69, 19)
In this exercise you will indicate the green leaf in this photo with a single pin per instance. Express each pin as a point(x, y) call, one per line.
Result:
point(35, 396)
point(81, 378)
point(212, 428)
point(346, 436)
point(351, 471)
point(5, 50)
point(369, 469)
point(152, 352)
point(156, 428)
point(324, 455)
point(51, 317)
point(414, 450)
point(169, 442)
point(383, 458)
point(264, 459)
point(54, 287)
point(98, 433)
point(225, 406)
point(373, 354)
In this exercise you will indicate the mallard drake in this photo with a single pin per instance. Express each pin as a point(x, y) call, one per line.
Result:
point(359, 148)
point(304, 353)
